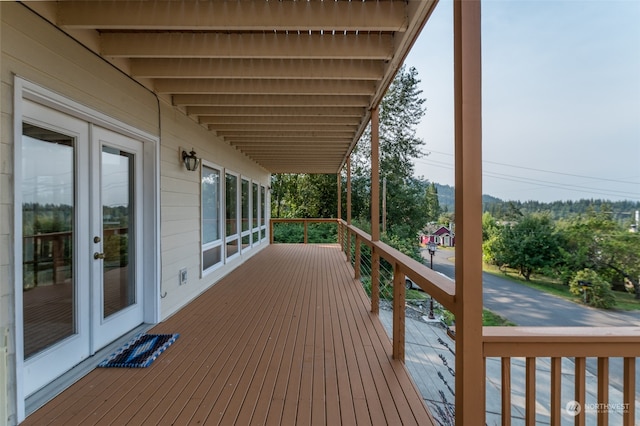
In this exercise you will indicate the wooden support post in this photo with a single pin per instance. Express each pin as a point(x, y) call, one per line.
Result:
point(399, 295)
point(270, 231)
point(349, 190)
point(348, 242)
point(470, 379)
point(339, 212)
point(375, 281)
point(306, 231)
point(375, 174)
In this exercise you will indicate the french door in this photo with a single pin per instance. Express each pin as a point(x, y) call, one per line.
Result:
point(81, 241)
point(117, 239)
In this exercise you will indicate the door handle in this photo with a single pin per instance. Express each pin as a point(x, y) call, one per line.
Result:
point(97, 255)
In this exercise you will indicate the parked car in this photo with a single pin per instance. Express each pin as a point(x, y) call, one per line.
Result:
point(410, 285)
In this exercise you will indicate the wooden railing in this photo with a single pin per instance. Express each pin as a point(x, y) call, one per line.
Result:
point(574, 344)
point(305, 222)
point(577, 343)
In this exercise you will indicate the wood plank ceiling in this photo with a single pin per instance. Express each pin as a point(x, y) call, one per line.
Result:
point(290, 83)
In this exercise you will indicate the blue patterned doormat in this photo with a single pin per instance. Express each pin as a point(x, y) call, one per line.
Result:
point(140, 351)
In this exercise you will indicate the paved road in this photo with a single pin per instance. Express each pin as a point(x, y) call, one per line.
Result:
point(526, 306)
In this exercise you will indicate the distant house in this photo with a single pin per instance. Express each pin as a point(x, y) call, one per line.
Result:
point(440, 235)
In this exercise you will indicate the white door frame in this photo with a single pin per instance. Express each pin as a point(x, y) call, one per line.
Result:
point(24, 89)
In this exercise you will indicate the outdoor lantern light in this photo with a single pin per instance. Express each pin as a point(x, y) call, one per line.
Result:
point(191, 162)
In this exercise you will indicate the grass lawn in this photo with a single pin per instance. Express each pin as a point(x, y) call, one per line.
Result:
point(490, 319)
point(624, 301)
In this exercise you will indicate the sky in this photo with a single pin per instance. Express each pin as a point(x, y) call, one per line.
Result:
point(561, 98)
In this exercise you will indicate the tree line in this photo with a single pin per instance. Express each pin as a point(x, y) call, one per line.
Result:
point(589, 252)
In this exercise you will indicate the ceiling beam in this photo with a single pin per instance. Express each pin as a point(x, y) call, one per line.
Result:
point(264, 87)
point(316, 69)
point(320, 135)
point(199, 104)
point(279, 120)
point(262, 45)
point(309, 111)
point(235, 16)
point(299, 140)
point(221, 129)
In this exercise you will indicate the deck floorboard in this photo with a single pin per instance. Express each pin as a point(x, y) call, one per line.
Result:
point(287, 338)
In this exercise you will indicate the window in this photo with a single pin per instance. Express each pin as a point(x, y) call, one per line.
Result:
point(231, 206)
point(211, 224)
point(263, 211)
point(246, 209)
point(255, 228)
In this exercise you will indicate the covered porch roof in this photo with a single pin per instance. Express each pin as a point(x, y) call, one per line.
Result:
point(289, 83)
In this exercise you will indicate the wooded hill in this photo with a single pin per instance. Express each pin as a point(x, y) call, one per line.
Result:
point(623, 212)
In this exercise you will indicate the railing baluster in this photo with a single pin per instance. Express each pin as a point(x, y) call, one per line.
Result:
point(530, 392)
point(603, 390)
point(506, 391)
point(556, 393)
point(398, 312)
point(629, 391)
point(580, 388)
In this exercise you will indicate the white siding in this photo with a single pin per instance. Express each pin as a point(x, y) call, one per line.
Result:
point(35, 50)
point(180, 204)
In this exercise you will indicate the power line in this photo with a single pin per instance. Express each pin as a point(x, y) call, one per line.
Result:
point(543, 183)
point(547, 171)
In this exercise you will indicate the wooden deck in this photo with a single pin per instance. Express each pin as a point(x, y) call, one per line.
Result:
point(285, 339)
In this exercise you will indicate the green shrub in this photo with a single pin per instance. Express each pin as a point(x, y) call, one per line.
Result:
point(598, 292)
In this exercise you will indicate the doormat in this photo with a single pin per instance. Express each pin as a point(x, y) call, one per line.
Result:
point(140, 351)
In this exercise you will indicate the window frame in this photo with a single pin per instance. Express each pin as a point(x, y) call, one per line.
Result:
point(219, 242)
point(231, 237)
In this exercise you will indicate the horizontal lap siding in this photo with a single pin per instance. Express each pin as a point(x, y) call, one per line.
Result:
point(285, 339)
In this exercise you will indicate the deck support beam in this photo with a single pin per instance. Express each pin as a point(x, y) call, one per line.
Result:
point(470, 383)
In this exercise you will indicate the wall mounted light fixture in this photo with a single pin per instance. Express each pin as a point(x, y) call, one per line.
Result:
point(191, 162)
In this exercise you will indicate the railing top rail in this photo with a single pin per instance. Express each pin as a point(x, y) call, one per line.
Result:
point(440, 287)
point(297, 219)
point(548, 334)
point(561, 341)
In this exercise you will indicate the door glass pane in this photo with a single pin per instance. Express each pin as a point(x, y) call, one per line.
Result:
point(117, 193)
point(48, 228)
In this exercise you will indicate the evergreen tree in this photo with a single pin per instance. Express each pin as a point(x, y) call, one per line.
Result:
point(432, 204)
